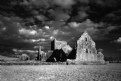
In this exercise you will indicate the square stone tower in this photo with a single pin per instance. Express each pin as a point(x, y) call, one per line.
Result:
point(56, 44)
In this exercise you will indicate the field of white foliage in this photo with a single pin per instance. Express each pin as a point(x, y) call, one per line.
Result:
point(110, 72)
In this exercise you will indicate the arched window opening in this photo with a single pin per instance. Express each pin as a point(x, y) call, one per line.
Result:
point(86, 50)
point(85, 39)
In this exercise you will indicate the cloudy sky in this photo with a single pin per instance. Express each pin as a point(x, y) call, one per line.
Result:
point(27, 24)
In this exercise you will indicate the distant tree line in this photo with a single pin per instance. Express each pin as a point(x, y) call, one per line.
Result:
point(112, 59)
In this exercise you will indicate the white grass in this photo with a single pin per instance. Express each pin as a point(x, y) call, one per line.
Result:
point(111, 72)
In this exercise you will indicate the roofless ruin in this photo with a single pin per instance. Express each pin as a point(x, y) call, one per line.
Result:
point(85, 51)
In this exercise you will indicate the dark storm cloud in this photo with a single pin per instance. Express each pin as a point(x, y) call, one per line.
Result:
point(30, 23)
point(9, 27)
point(64, 3)
point(9, 34)
point(99, 9)
point(106, 3)
point(41, 3)
point(42, 10)
point(59, 15)
point(98, 31)
point(118, 40)
point(114, 17)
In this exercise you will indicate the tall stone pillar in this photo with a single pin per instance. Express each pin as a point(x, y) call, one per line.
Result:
point(39, 53)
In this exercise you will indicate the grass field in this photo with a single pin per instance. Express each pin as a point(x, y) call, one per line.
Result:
point(110, 72)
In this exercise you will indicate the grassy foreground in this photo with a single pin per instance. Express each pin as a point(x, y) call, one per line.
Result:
point(110, 72)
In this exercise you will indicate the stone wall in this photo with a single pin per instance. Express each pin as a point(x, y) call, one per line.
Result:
point(86, 50)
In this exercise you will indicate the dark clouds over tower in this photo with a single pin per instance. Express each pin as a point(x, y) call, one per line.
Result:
point(26, 24)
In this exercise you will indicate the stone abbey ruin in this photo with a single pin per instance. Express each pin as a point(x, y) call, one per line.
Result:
point(84, 52)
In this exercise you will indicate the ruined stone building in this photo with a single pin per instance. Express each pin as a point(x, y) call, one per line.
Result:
point(60, 51)
point(41, 54)
point(56, 44)
point(86, 50)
